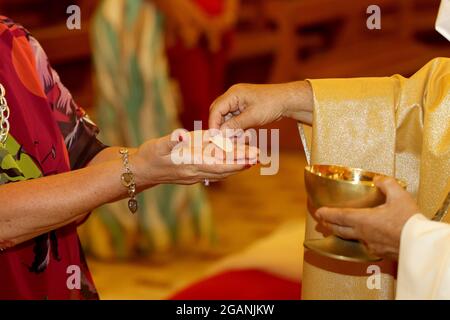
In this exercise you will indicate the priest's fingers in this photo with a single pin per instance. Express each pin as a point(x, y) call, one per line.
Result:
point(221, 107)
point(233, 111)
point(341, 231)
point(390, 187)
point(340, 216)
point(242, 121)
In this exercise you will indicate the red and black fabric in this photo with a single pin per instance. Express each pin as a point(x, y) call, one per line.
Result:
point(58, 136)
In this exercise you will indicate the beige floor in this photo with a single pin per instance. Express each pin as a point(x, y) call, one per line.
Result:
point(247, 207)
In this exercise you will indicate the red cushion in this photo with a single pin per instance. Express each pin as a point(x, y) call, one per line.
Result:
point(241, 285)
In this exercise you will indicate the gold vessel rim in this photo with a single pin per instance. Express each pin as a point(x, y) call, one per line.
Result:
point(366, 183)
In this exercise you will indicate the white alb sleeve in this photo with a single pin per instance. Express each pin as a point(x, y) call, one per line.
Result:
point(424, 261)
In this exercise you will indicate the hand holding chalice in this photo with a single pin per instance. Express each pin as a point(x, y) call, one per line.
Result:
point(342, 187)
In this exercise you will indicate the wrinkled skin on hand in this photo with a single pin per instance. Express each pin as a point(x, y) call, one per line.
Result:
point(378, 228)
point(154, 160)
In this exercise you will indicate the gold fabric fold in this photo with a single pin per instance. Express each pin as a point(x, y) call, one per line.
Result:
point(392, 125)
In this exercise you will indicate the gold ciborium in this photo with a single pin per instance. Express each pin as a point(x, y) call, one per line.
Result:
point(341, 187)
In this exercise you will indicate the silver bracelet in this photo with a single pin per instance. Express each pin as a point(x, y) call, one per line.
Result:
point(4, 116)
point(128, 181)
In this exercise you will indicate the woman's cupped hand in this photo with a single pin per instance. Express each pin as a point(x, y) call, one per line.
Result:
point(190, 157)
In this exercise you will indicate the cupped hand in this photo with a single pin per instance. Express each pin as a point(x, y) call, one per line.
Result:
point(187, 158)
point(378, 228)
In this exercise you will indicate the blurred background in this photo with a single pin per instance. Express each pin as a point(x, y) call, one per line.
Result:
point(159, 64)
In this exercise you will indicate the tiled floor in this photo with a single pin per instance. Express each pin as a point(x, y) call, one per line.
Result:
point(247, 207)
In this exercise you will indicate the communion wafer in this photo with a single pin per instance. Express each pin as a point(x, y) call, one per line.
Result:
point(222, 142)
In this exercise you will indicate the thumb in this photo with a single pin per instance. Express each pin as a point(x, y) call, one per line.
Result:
point(243, 120)
point(167, 143)
point(389, 186)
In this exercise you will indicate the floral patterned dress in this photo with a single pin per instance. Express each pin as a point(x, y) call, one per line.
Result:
point(49, 135)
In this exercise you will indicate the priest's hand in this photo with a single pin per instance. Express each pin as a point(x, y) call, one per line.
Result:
point(249, 105)
point(378, 228)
